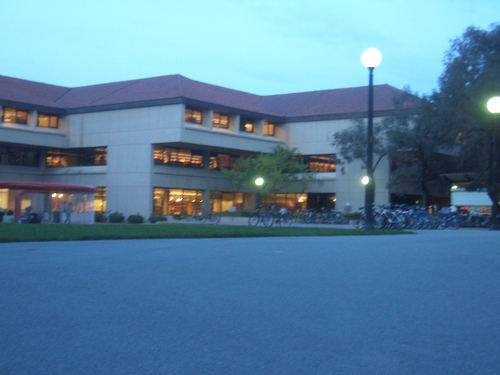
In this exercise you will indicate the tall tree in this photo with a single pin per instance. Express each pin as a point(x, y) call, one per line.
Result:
point(470, 78)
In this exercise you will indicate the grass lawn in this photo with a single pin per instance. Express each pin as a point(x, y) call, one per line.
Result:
point(61, 232)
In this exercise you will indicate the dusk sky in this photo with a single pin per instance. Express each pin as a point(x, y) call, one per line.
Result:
point(262, 46)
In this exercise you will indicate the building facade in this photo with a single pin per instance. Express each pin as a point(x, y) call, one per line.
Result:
point(157, 145)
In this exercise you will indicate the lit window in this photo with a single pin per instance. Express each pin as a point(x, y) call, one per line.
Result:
point(47, 121)
point(192, 115)
point(220, 120)
point(268, 128)
point(321, 163)
point(246, 125)
point(15, 116)
point(177, 157)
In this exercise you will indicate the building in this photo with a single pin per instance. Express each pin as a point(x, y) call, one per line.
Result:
point(157, 145)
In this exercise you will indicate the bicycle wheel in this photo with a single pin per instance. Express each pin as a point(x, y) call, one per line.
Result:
point(454, 223)
point(443, 223)
point(214, 218)
point(253, 220)
point(267, 219)
point(287, 220)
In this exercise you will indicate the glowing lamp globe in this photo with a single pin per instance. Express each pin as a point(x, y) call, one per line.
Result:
point(494, 104)
point(371, 58)
point(259, 181)
point(365, 180)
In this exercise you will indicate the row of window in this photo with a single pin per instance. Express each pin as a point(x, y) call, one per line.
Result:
point(30, 157)
point(92, 156)
point(80, 157)
point(191, 158)
point(17, 116)
point(220, 120)
point(189, 202)
point(187, 158)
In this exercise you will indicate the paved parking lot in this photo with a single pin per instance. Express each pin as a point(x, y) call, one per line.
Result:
point(426, 303)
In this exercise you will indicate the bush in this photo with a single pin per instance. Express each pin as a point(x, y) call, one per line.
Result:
point(155, 218)
point(116, 217)
point(135, 219)
point(100, 218)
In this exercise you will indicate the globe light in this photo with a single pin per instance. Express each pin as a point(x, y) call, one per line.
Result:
point(365, 180)
point(494, 104)
point(371, 58)
point(259, 181)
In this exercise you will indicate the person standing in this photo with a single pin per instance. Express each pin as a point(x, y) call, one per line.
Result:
point(67, 210)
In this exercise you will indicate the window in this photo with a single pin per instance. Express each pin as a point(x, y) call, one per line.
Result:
point(268, 128)
point(321, 163)
point(177, 157)
point(246, 125)
point(177, 201)
point(15, 116)
point(218, 161)
point(193, 115)
point(221, 201)
point(220, 120)
point(46, 121)
point(79, 157)
point(100, 199)
point(21, 156)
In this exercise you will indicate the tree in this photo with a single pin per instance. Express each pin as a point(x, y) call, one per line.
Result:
point(447, 131)
point(470, 78)
point(283, 170)
point(351, 143)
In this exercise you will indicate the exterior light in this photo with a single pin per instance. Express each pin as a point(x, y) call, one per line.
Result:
point(454, 187)
point(493, 106)
point(258, 182)
point(370, 58)
point(365, 180)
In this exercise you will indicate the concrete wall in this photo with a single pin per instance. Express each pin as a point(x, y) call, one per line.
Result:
point(314, 138)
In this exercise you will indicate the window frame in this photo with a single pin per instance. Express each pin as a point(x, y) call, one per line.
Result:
point(17, 118)
point(247, 123)
point(50, 118)
point(217, 124)
point(191, 115)
point(269, 125)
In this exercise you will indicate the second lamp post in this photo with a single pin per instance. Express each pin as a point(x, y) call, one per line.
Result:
point(370, 58)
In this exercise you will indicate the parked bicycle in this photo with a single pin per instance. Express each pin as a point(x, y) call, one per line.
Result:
point(283, 218)
point(264, 217)
point(207, 216)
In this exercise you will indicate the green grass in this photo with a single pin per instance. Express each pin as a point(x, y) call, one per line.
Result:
point(55, 232)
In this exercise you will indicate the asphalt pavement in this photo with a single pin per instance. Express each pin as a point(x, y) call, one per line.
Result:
point(426, 303)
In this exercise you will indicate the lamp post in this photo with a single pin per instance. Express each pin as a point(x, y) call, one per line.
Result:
point(258, 182)
point(370, 58)
point(494, 107)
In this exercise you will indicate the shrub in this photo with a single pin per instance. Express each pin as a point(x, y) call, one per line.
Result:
point(155, 218)
point(135, 219)
point(100, 218)
point(116, 217)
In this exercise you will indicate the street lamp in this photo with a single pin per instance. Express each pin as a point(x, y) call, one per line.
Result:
point(258, 182)
point(494, 107)
point(370, 58)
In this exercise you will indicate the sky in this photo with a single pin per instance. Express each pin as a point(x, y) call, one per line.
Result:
point(264, 47)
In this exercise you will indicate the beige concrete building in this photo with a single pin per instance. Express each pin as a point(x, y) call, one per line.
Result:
point(157, 145)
